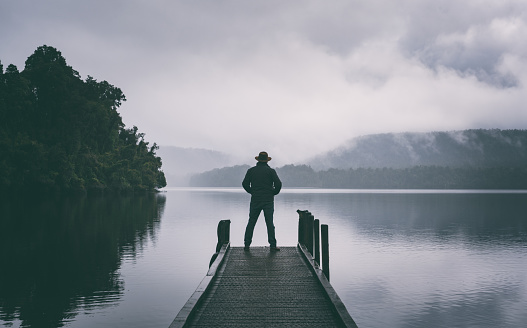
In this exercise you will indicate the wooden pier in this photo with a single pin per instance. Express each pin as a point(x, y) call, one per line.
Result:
point(264, 288)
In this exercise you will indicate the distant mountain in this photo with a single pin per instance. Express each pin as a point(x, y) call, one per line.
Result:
point(472, 148)
point(417, 177)
point(470, 159)
point(220, 177)
point(179, 163)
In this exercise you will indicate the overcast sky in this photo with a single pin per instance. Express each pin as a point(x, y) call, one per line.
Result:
point(294, 78)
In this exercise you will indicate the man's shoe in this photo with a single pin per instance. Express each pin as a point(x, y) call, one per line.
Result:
point(275, 249)
point(246, 248)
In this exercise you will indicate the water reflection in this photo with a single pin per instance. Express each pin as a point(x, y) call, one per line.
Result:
point(412, 259)
point(429, 260)
point(60, 255)
point(473, 215)
point(397, 259)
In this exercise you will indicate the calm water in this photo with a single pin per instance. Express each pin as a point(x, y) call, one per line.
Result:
point(398, 259)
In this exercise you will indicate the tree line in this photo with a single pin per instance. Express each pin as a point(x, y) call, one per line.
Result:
point(59, 132)
point(474, 148)
point(417, 177)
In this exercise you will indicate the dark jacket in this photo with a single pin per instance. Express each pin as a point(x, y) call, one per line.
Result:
point(262, 182)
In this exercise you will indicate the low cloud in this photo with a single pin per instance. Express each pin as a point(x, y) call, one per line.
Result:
point(294, 79)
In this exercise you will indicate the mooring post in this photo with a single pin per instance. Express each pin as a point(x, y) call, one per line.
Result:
point(310, 227)
point(224, 232)
point(316, 231)
point(305, 236)
point(227, 231)
point(325, 250)
point(302, 226)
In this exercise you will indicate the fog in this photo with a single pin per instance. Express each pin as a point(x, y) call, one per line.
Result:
point(292, 78)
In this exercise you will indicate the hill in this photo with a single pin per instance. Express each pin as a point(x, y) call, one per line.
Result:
point(470, 159)
point(472, 148)
point(417, 177)
point(179, 163)
point(61, 133)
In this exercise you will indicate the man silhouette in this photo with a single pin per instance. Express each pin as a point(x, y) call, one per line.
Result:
point(262, 182)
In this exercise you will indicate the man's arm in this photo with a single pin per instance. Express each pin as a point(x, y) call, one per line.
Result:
point(246, 183)
point(277, 183)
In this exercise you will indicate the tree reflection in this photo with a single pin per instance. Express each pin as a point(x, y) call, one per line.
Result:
point(475, 215)
point(61, 254)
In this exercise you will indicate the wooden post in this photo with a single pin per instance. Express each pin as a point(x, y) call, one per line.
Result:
point(325, 250)
point(309, 234)
point(302, 228)
point(316, 231)
point(224, 234)
point(224, 231)
point(307, 230)
point(227, 231)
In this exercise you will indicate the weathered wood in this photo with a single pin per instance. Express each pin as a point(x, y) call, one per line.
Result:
point(188, 310)
point(302, 225)
point(305, 239)
point(223, 232)
point(316, 231)
point(309, 235)
point(325, 249)
point(300, 230)
point(332, 294)
point(260, 288)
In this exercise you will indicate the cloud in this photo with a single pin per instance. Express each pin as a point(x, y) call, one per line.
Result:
point(481, 50)
point(292, 78)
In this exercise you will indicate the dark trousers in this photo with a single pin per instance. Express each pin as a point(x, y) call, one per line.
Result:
point(254, 212)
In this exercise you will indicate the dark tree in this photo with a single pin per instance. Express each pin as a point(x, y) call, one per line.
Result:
point(59, 132)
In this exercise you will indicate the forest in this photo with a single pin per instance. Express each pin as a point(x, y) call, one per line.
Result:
point(466, 159)
point(59, 132)
point(462, 148)
point(417, 177)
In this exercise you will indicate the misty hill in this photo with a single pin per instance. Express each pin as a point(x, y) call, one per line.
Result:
point(179, 163)
point(474, 148)
point(417, 177)
point(220, 177)
point(470, 159)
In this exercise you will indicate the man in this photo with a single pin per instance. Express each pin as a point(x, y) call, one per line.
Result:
point(262, 182)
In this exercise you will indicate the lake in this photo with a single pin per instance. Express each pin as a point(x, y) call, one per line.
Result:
point(398, 258)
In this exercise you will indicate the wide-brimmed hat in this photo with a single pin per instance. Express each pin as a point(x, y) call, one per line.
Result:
point(263, 157)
